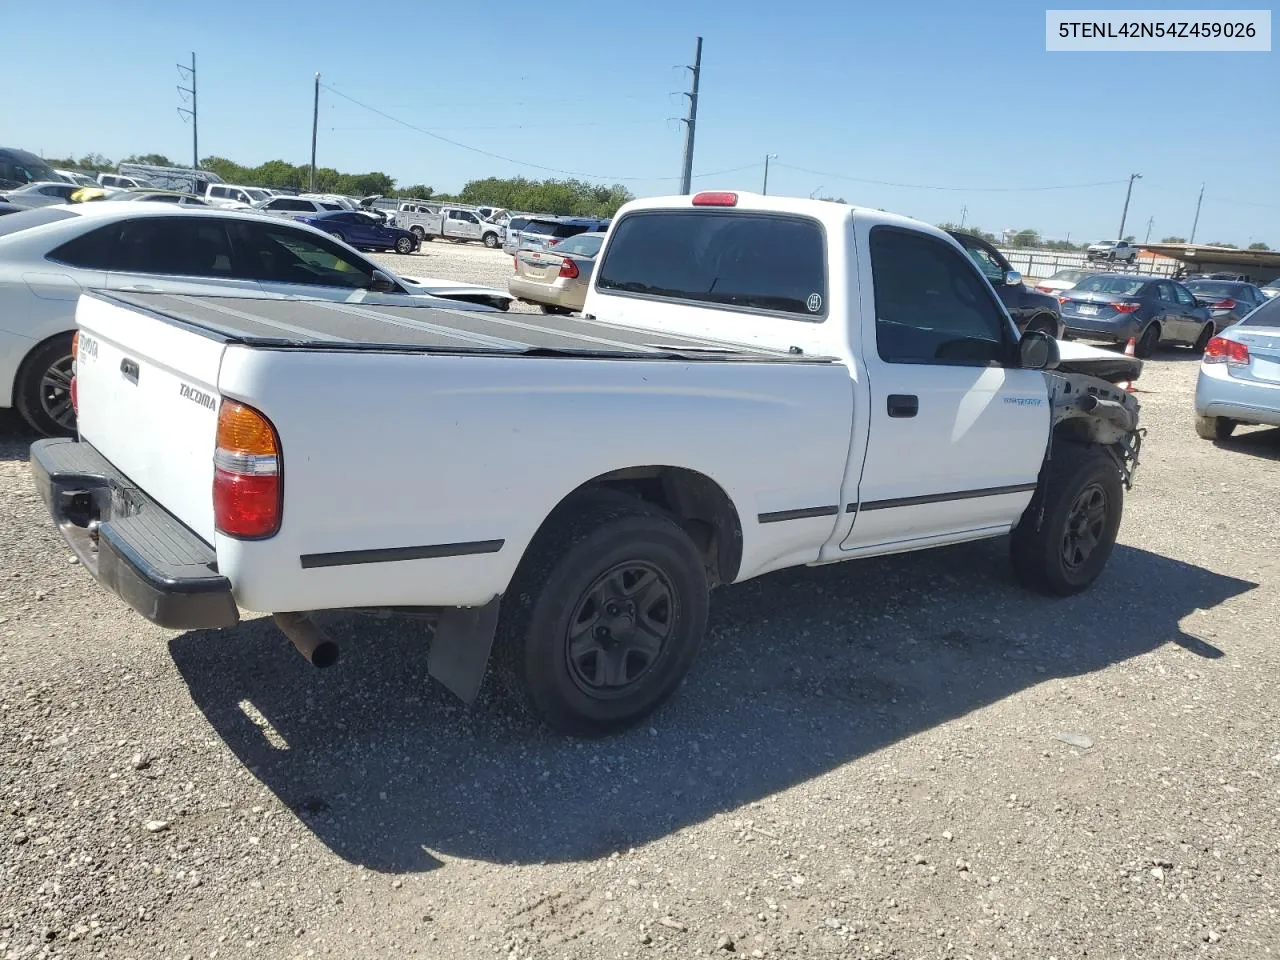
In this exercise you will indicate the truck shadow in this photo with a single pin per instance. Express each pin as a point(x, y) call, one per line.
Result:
point(15, 436)
point(804, 671)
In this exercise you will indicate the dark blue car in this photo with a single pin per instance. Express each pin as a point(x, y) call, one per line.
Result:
point(364, 231)
point(1150, 310)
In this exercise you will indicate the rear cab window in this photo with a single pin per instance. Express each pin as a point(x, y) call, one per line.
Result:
point(728, 259)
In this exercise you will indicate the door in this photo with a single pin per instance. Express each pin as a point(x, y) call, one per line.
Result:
point(176, 255)
point(956, 431)
point(292, 263)
point(1191, 316)
point(466, 225)
point(1173, 325)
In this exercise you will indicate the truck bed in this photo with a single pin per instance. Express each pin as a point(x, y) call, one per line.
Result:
point(335, 325)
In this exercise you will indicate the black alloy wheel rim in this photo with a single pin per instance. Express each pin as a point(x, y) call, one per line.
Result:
point(55, 392)
point(1086, 524)
point(619, 629)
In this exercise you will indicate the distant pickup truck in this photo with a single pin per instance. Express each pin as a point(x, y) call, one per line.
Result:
point(1112, 250)
point(756, 383)
point(428, 221)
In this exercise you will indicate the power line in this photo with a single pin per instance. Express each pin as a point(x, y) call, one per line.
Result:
point(925, 186)
point(505, 159)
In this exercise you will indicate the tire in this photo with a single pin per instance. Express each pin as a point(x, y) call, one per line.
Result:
point(418, 232)
point(404, 246)
point(42, 389)
point(1148, 342)
point(338, 235)
point(1202, 341)
point(1067, 532)
point(552, 310)
point(592, 550)
point(1215, 428)
point(490, 240)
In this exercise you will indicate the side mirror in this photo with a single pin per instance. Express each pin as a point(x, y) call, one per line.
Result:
point(381, 283)
point(1012, 278)
point(1038, 351)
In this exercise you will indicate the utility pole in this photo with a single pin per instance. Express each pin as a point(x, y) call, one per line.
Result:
point(691, 121)
point(767, 158)
point(1128, 193)
point(1150, 222)
point(964, 212)
point(315, 123)
point(184, 92)
point(1196, 222)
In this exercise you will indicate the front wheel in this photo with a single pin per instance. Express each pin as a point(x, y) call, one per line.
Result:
point(42, 391)
point(1202, 341)
point(491, 241)
point(404, 245)
point(1215, 428)
point(1148, 342)
point(1067, 532)
point(606, 613)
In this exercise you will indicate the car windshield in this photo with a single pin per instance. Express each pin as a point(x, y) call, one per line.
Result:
point(1107, 243)
point(38, 217)
point(1119, 286)
point(257, 194)
point(1214, 288)
point(1068, 276)
point(583, 245)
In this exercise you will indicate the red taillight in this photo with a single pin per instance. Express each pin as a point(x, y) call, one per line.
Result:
point(1063, 300)
point(246, 474)
point(1045, 289)
point(75, 356)
point(552, 243)
point(715, 198)
point(1227, 304)
point(1126, 307)
point(569, 270)
point(1222, 350)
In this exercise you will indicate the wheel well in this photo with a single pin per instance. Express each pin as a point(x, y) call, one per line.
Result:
point(696, 501)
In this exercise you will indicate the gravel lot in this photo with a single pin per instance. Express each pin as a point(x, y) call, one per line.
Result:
point(906, 757)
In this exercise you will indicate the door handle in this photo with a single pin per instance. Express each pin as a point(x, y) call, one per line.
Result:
point(902, 405)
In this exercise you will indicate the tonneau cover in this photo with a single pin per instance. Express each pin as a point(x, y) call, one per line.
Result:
point(313, 323)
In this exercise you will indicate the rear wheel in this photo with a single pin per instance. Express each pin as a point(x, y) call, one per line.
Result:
point(42, 391)
point(1148, 342)
point(1067, 532)
point(418, 232)
point(605, 615)
point(404, 245)
point(1215, 428)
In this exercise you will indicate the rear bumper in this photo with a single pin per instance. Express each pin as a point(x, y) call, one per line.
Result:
point(570, 296)
point(132, 546)
point(1218, 394)
point(1102, 329)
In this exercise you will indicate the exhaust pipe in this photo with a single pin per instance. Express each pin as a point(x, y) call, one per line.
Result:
point(1108, 410)
point(307, 638)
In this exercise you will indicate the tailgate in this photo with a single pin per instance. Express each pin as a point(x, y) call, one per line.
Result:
point(148, 402)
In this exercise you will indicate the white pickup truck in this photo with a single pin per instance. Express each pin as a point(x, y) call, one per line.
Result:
point(757, 383)
point(427, 221)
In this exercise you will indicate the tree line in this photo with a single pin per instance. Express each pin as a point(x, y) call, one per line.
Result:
point(563, 197)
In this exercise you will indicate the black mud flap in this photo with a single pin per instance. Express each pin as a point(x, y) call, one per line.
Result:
point(460, 648)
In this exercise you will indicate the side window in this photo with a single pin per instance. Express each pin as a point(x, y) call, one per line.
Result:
point(242, 196)
point(930, 305)
point(218, 193)
point(281, 255)
point(470, 218)
point(95, 250)
point(1184, 295)
point(988, 264)
point(183, 246)
point(1165, 291)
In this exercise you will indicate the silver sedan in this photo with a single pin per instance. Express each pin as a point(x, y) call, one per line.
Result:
point(1240, 375)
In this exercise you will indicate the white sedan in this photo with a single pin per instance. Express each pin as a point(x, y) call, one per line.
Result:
point(49, 255)
point(1239, 379)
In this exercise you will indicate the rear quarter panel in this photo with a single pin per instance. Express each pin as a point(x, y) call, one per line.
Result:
point(401, 450)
